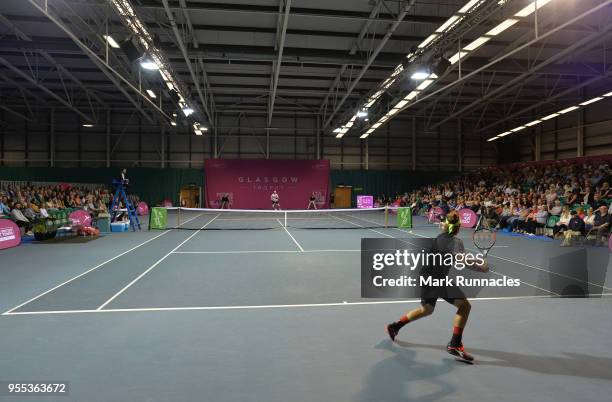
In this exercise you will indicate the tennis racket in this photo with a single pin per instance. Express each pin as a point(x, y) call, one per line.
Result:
point(484, 240)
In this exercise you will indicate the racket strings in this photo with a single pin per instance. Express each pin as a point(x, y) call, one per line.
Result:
point(484, 239)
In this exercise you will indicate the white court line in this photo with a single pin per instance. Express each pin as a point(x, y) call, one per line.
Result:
point(270, 306)
point(265, 251)
point(290, 235)
point(93, 269)
point(154, 265)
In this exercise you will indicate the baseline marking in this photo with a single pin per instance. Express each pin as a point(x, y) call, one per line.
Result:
point(90, 270)
point(271, 306)
point(290, 235)
point(265, 251)
point(154, 265)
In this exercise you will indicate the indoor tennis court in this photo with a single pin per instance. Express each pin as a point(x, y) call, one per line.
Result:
point(223, 301)
point(305, 200)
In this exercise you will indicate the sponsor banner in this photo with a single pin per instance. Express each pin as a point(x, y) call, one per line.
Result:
point(365, 201)
point(251, 182)
point(142, 208)
point(80, 218)
point(158, 218)
point(9, 234)
point(404, 218)
point(468, 218)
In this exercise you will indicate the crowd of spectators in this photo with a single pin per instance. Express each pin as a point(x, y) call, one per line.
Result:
point(523, 198)
point(26, 204)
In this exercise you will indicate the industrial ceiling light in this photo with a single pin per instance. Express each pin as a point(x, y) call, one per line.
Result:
point(148, 64)
point(591, 101)
point(502, 27)
point(187, 111)
point(419, 75)
point(362, 113)
point(111, 41)
point(569, 109)
point(550, 116)
point(88, 125)
point(533, 123)
point(151, 94)
point(337, 130)
point(531, 8)
point(477, 43)
point(173, 123)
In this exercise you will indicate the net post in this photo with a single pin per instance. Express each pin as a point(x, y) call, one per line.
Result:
point(178, 217)
point(285, 218)
point(387, 216)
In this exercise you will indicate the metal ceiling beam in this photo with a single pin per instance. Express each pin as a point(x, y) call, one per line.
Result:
point(110, 73)
point(298, 11)
point(21, 35)
point(536, 105)
point(44, 89)
point(581, 46)
point(13, 112)
point(284, 9)
point(179, 40)
point(356, 44)
point(383, 42)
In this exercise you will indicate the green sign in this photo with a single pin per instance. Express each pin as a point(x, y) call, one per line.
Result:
point(404, 218)
point(158, 218)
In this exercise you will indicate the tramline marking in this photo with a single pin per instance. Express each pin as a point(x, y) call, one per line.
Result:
point(154, 265)
point(94, 268)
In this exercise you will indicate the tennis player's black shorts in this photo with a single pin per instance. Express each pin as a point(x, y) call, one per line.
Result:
point(432, 301)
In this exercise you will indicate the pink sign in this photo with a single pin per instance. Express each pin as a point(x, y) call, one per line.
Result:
point(80, 218)
point(252, 181)
point(468, 218)
point(365, 201)
point(142, 208)
point(9, 234)
point(434, 214)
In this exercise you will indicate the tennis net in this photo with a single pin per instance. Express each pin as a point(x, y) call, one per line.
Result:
point(231, 219)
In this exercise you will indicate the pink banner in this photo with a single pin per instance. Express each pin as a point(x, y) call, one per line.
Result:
point(468, 218)
point(248, 183)
point(365, 201)
point(80, 218)
point(142, 208)
point(9, 234)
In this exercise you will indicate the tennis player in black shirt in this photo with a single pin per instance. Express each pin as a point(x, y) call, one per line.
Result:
point(446, 242)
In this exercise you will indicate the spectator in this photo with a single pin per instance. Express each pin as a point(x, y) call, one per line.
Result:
point(575, 227)
point(557, 208)
point(589, 219)
point(601, 225)
point(564, 219)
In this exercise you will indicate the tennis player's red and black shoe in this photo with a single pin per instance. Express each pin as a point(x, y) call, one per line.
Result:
point(392, 330)
point(459, 352)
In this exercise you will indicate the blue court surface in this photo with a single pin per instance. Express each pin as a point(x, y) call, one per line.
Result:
point(277, 315)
